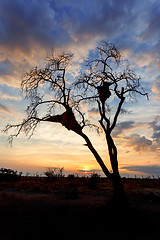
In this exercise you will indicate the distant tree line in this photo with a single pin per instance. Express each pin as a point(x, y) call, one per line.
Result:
point(52, 173)
point(9, 175)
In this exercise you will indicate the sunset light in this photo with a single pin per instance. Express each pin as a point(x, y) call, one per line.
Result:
point(86, 171)
point(80, 119)
point(136, 34)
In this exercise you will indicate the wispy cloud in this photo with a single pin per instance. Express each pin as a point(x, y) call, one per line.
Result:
point(156, 87)
point(90, 171)
point(4, 108)
point(7, 96)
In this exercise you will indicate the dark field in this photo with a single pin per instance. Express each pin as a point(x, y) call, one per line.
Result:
point(78, 208)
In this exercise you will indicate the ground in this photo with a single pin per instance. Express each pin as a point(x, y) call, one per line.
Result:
point(78, 208)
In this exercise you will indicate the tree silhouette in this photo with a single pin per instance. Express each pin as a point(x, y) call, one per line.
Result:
point(96, 85)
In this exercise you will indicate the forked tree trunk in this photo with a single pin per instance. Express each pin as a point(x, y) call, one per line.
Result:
point(120, 202)
point(119, 198)
point(68, 120)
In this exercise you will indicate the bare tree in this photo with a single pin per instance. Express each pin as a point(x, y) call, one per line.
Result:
point(97, 84)
point(54, 172)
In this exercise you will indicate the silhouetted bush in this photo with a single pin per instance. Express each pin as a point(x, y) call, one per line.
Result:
point(53, 173)
point(71, 176)
point(94, 178)
point(8, 175)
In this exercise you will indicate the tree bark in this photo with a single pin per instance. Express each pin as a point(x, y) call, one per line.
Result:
point(96, 155)
point(119, 196)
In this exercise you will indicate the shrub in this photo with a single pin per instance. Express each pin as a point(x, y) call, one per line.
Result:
point(8, 175)
point(94, 178)
point(54, 172)
point(71, 176)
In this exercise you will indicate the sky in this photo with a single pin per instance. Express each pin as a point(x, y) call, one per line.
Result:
point(29, 29)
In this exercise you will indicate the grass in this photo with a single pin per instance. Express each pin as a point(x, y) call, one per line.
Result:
point(34, 208)
point(43, 184)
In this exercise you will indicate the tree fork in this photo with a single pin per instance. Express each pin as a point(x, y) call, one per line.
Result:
point(97, 157)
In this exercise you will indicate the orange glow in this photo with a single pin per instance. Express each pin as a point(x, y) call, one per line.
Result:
point(85, 171)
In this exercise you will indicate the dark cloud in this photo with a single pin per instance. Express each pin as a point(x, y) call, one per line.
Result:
point(32, 26)
point(144, 169)
point(155, 125)
point(107, 18)
point(152, 28)
point(156, 135)
point(139, 143)
point(87, 20)
point(48, 22)
point(6, 68)
point(93, 111)
point(24, 23)
point(121, 127)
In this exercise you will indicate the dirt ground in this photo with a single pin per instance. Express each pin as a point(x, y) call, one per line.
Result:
point(78, 209)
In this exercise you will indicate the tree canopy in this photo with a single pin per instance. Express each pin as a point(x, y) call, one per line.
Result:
point(48, 89)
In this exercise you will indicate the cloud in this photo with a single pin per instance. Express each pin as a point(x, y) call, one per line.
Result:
point(137, 142)
point(99, 18)
point(26, 22)
point(140, 144)
point(5, 109)
point(91, 170)
point(152, 27)
point(94, 111)
point(46, 23)
point(85, 171)
point(9, 96)
point(121, 127)
point(8, 71)
point(30, 28)
point(144, 169)
point(155, 125)
point(6, 68)
point(156, 87)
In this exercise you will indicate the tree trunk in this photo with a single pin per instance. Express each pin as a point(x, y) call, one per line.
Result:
point(119, 196)
point(96, 155)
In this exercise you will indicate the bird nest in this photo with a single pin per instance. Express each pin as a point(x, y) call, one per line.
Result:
point(69, 121)
point(104, 92)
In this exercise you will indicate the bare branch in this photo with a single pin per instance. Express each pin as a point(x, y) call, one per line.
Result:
point(27, 126)
point(81, 98)
point(103, 117)
point(117, 114)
